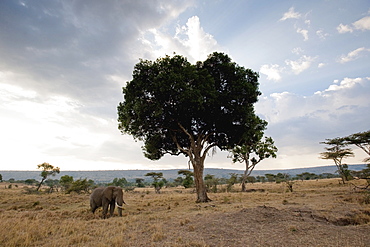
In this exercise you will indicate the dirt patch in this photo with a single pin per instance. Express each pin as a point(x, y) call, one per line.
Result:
point(269, 226)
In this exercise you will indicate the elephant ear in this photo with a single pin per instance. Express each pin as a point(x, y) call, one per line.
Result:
point(108, 193)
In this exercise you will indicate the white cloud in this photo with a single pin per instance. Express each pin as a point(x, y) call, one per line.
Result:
point(304, 33)
point(321, 65)
point(345, 83)
point(344, 28)
point(290, 15)
point(321, 34)
point(363, 24)
point(299, 122)
point(301, 64)
point(353, 55)
point(197, 41)
point(297, 51)
point(189, 40)
point(272, 71)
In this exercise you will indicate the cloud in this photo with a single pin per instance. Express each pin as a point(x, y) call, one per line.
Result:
point(297, 50)
point(71, 47)
point(321, 65)
point(353, 55)
point(321, 34)
point(363, 24)
point(62, 67)
point(304, 33)
point(299, 122)
point(301, 64)
point(344, 28)
point(272, 71)
point(189, 40)
point(290, 15)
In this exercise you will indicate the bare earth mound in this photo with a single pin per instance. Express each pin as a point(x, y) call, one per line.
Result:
point(268, 226)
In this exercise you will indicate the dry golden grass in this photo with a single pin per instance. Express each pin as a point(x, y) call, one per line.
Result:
point(317, 213)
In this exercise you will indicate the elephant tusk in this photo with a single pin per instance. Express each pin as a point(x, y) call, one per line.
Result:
point(118, 205)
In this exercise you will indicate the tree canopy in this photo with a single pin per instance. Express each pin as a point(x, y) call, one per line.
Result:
point(175, 107)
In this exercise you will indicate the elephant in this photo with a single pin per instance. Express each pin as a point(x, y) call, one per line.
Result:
point(107, 197)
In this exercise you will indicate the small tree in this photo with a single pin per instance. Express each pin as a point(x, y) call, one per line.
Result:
point(261, 150)
point(47, 171)
point(139, 182)
point(337, 152)
point(211, 182)
point(66, 182)
point(158, 184)
point(289, 182)
point(1, 178)
point(53, 184)
point(188, 181)
point(231, 181)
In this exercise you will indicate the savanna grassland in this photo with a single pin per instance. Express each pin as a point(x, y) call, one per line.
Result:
point(317, 213)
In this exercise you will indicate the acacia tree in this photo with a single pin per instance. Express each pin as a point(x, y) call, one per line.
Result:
point(337, 152)
point(251, 153)
point(175, 107)
point(158, 184)
point(47, 170)
point(361, 140)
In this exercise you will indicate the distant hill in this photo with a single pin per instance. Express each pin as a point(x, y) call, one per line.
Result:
point(130, 175)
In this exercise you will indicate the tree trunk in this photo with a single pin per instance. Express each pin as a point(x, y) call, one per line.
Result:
point(40, 184)
point(200, 186)
point(245, 175)
point(243, 181)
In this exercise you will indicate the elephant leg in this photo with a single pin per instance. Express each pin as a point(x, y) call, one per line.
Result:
point(112, 206)
point(105, 210)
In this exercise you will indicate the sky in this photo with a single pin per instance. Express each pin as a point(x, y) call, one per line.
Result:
point(63, 64)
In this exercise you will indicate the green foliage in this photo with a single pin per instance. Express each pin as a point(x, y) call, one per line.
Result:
point(212, 100)
point(81, 185)
point(157, 184)
point(307, 176)
point(231, 181)
point(31, 181)
point(140, 182)
point(66, 182)
point(1, 178)
point(211, 182)
point(53, 184)
point(363, 174)
point(188, 181)
point(121, 182)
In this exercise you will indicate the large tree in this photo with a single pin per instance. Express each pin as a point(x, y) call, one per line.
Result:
point(175, 107)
